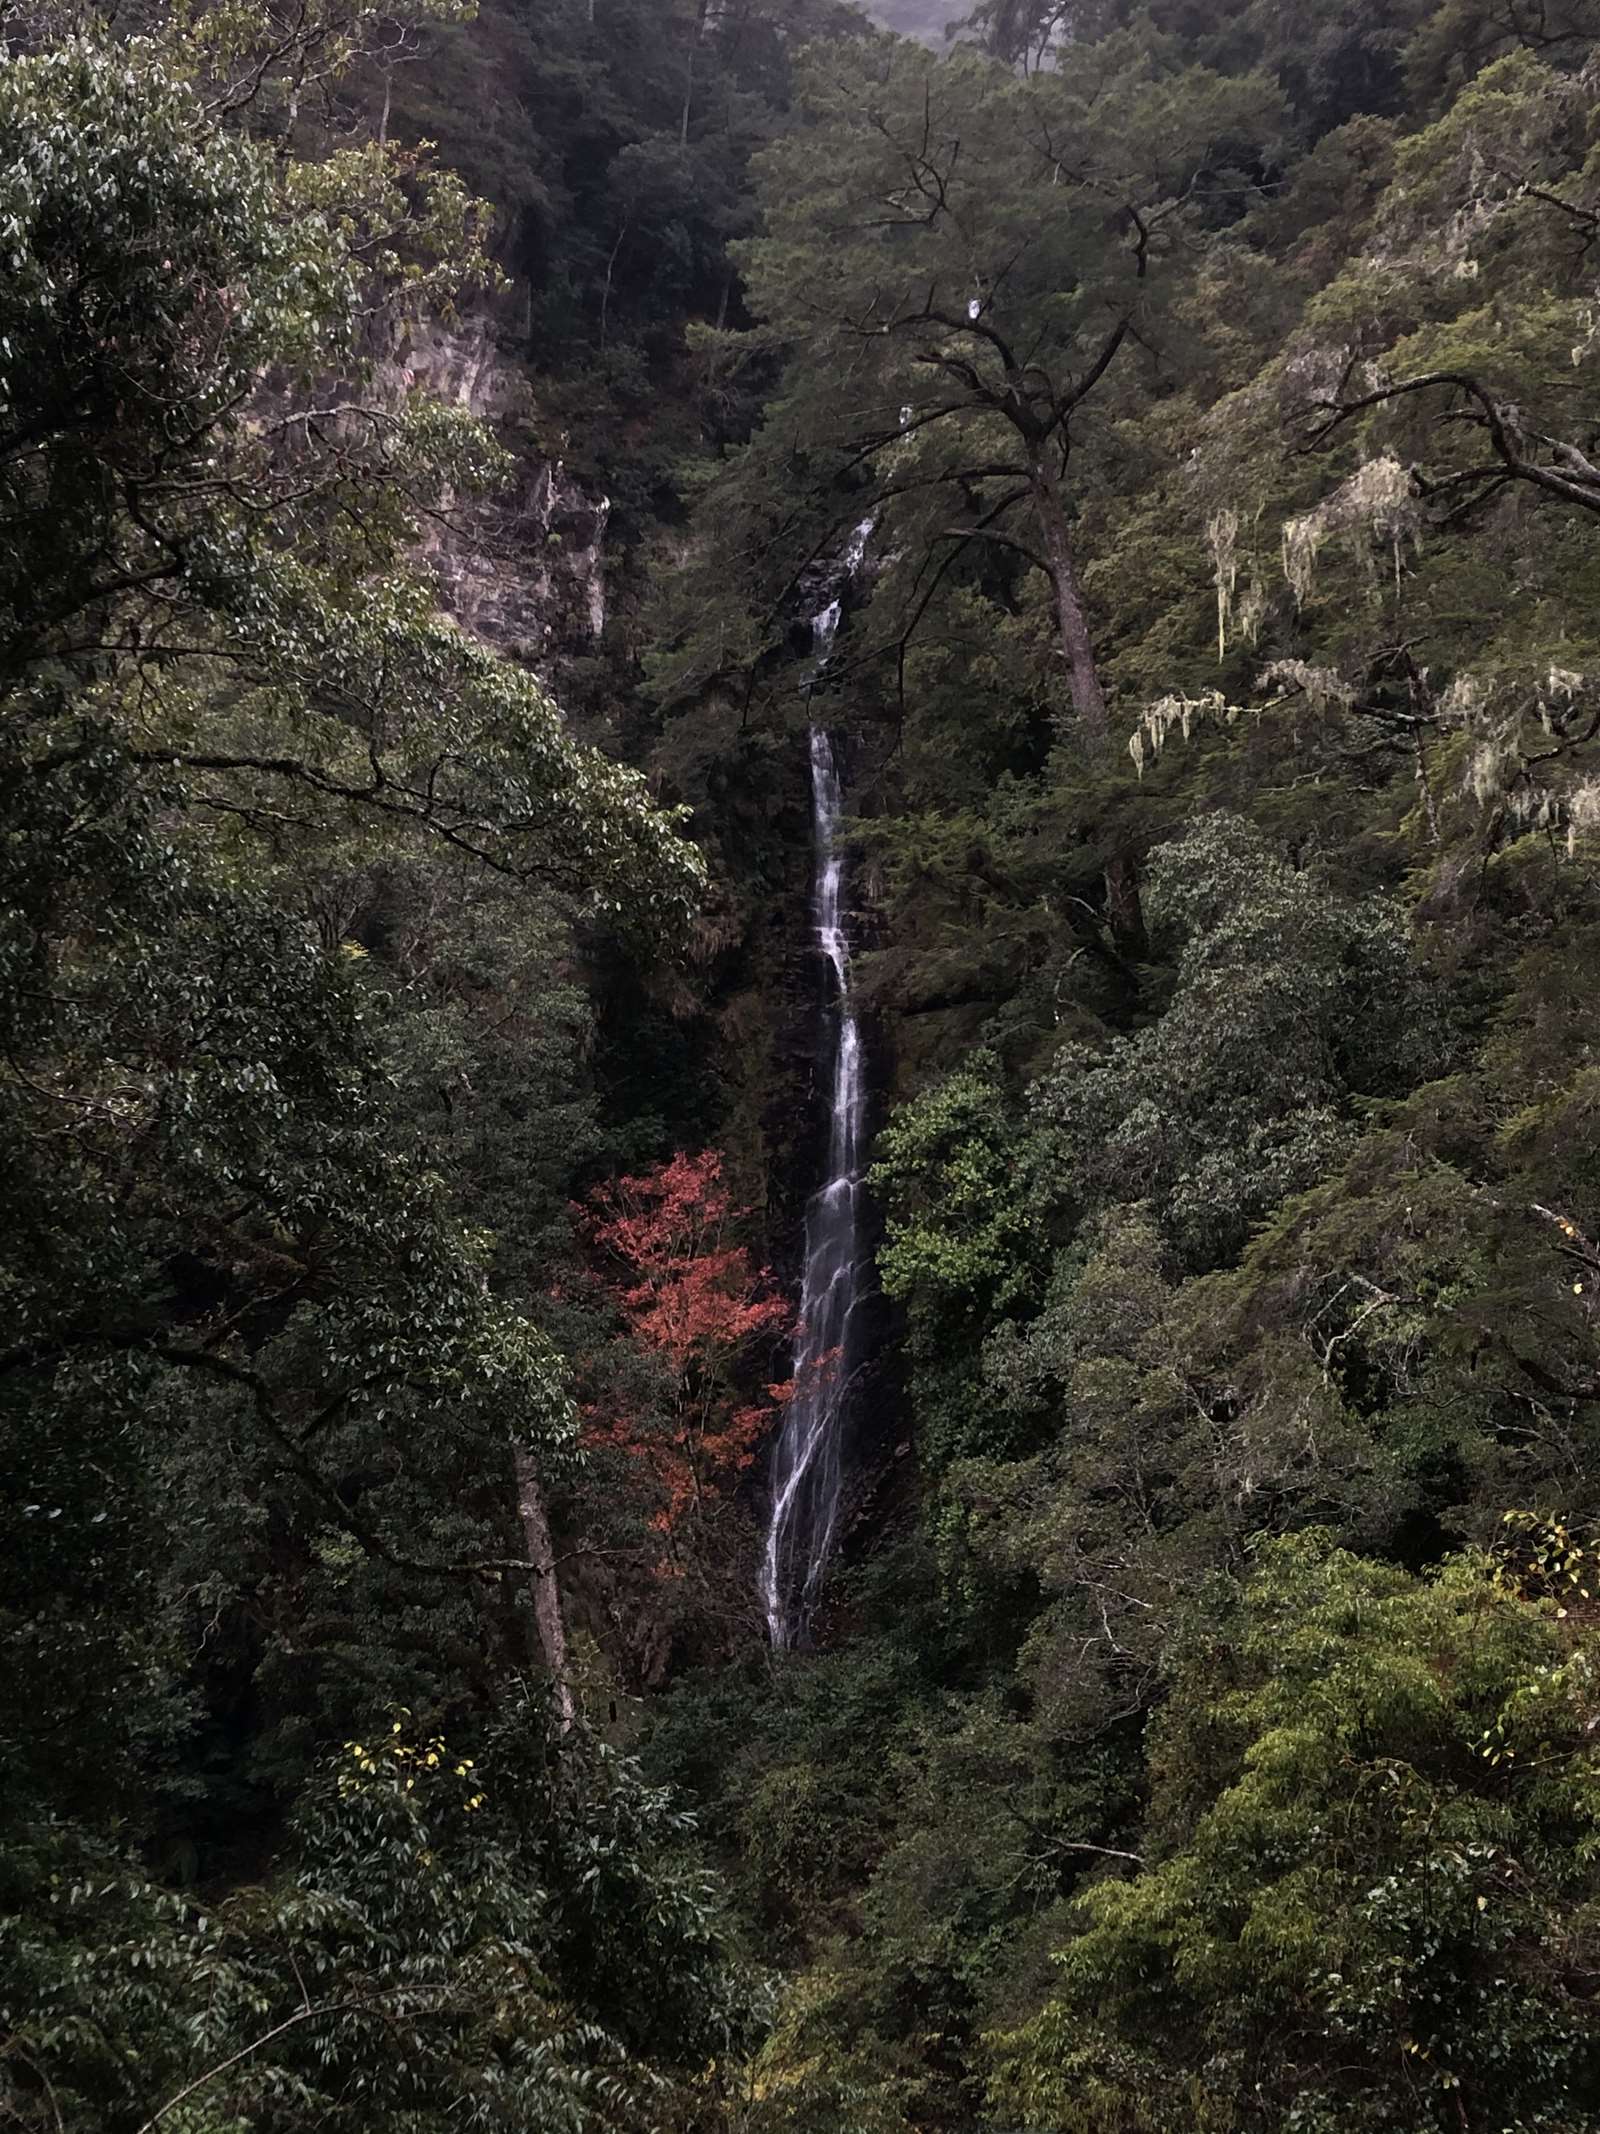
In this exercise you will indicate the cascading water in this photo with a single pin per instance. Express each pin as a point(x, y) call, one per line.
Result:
point(807, 1472)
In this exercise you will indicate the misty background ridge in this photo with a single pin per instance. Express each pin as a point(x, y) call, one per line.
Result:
point(927, 19)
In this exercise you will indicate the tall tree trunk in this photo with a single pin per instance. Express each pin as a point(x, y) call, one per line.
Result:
point(605, 292)
point(1083, 677)
point(688, 87)
point(545, 1589)
point(1124, 909)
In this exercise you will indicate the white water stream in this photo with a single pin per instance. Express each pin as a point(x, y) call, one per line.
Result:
point(807, 1470)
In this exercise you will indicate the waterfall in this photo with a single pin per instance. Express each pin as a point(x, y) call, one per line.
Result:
point(807, 1473)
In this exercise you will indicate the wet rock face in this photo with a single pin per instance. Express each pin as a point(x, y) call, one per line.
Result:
point(523, 569)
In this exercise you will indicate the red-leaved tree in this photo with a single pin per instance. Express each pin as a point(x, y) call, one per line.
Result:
point(695, 1304)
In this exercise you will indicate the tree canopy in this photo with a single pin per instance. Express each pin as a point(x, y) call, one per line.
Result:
point(461, 473)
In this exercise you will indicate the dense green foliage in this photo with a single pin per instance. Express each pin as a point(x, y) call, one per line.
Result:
point(1352, 1902)
point(404, 1081)
point(1226, 371)
point(260, 1392)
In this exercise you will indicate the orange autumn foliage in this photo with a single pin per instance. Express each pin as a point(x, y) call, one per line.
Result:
point(692, 1300)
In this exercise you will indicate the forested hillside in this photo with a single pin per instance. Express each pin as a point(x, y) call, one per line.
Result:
point(799, 1101)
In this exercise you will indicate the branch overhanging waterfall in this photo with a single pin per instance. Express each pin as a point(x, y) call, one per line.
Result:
point(807, 1476)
